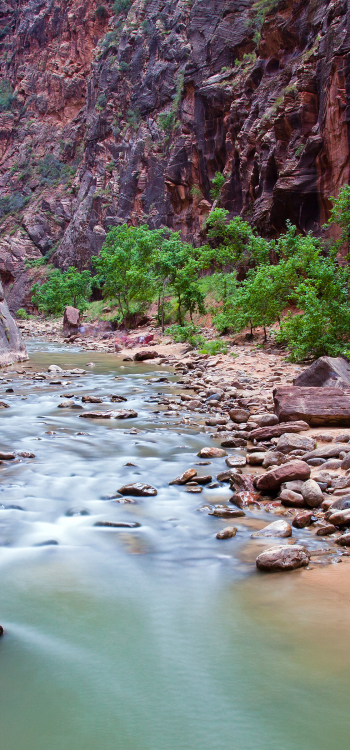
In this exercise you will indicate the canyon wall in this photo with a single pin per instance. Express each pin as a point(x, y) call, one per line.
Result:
point(124, 113)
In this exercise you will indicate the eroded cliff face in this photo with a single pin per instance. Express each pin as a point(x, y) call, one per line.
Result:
point(127, 117)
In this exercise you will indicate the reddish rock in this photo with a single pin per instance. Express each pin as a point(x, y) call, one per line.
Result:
point(340, 517)
point(274, 529)
point(185, 477)
point(288, 472)
point(302, 519)
point(326, 372)
point(326, 529)
point(316, 406)
point(265, 433)
point(227, 533)
point(71, 320)
point(211, 452)
point(283, 558)
point(144, 354)
point(291, 499)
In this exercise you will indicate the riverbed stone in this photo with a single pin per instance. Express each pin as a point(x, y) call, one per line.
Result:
point(273, 458)
point(185, 477)
point(312, 493)
point(138, 489)
point(211, 452)
point(234, 461)
point(265, 433)
point(291, 499)
point(223, 511)
point(92, 400)
point(283, 558)
point(275, 529)
point(303, 519)
point(326, 529)
point(290, 441)
point(255, 459)
point(6, 456)
point(344, 540)
point(316, 406)
point(325, 372)
point(239, 415)
point(144, 354)
point(227, 533)
point(340, 517)
point(286, 473)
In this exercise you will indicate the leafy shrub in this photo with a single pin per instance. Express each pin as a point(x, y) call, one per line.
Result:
point(6, 95)
point(12, 204)
point(121, 6)
point(101, 102)
point(101, 13)
point(50, 169)
point(61, 289)
point(214, 347)
point(188, 333)
point(217, 184)
point(22, 314)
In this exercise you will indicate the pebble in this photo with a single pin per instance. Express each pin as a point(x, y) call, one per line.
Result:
point(227, 533)
point(234, 461)
point(275, 529)
point(138, 489)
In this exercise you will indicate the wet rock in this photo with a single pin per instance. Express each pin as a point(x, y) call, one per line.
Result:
point(7, 456)
point(211, 453)
point(1, 631)
point(214, 421)
point(283, 558)
point(227, 533)
point(144, 354)
point(344, 540)
point(291, 499)
point(25, 454)
point(273, 458)
point(118, 524)
point(4, 405)
point(286, 473)
point(228, 475)
point(55, 368)
point(316, 406)
point(340, 517)
point(255, 459)
point(71, 320)
point(138, 489)
point(124, 414)
point(276, 528)
point(222, 511)
point(205, 479)
point(312, 493)
point(301, 520)
point(325, 372)
point(185, 477)
point(326, 529)
point(239, 415)
point(294, 486)
point(244, 498)
point(265, 433)
point(291, 441)
point(234, 461)
point(116, 399)
point(47, 543)
point(77, 512)
point(91, 400)
point(234, 442)
point(66, 404)
point(194, 490)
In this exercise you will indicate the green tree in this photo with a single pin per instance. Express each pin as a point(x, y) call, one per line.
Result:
point(70, 287)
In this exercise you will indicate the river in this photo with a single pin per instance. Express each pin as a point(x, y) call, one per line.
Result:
point(159, 637)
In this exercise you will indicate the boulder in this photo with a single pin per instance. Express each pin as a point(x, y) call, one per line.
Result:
point(291, 499)
point(214, 421)
point(316, 406)
point(325, 372)
point(144, 354)
point(265, 433)
point(291, 441)
point(312, 493)
point(185, 477)
point(256, 459)
point(273, 458)
point(267, 420)
point(71, 320)
point(326, 529)
point(328, 451)
point(286, 473)
point(138, 489)
point(340, 517)
point(12, 348)
point(234, 461)
point(227, 533)
point(211, 453)
point(344, 540)
point(91, 400)
point(234, 442)
point(239, 415)
point(302, 519)
point(222, 511)
point(283, 558)
point(276, 528)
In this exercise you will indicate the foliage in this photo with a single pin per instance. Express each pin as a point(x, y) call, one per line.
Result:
point(70, 287)
point(101, 102)
point(215, 346)
point(121, 6)
point(168, 121)
point(340, 214)
point(12, 204)
point(101, 13)
point(217, 184)
point(6, 95)
point(22, 314)
point(53, 170)
point(36, 263)
point(187, 333)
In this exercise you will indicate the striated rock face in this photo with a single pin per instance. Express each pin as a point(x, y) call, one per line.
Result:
point(12, 348)
point(106, 118)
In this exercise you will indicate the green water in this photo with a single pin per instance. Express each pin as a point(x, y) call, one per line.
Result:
point(163, 639)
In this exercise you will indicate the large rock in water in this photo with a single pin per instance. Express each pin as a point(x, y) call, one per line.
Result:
point(326, 372)
point(316, 406)
point(283, 558)
point(12, 348)
point(285, 473)
point(71, 320)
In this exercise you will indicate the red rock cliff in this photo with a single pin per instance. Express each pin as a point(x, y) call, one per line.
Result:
point(112, 116)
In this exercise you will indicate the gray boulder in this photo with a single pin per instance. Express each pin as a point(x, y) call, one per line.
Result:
point(12, 348)
point(291, 441)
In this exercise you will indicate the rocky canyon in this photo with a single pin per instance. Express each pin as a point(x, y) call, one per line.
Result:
point(125, 112)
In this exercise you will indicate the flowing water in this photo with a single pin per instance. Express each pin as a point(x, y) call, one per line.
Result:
point(158, 637)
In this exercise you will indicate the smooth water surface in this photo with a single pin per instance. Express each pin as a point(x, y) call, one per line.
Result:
point(159, 637)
